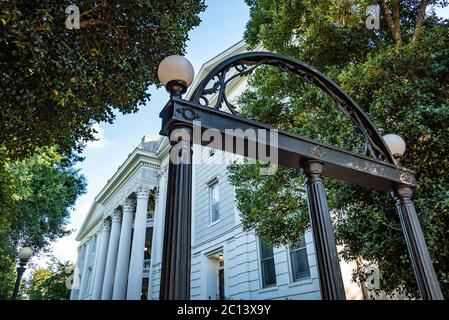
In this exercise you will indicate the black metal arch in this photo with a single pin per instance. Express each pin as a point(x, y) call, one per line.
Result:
point(244, 64)
point(315, 159)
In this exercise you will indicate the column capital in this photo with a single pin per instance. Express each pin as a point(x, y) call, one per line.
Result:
point(313, 167)
point(116, 217)
point(143, 193)
point(106, 226)
point(89, 238)
point(404, 191)
point(128, 206)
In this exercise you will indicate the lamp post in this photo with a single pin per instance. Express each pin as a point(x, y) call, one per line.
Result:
point(176, 74)
point(24, 255)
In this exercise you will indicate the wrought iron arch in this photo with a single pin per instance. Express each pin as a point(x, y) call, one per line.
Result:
point(244, 64)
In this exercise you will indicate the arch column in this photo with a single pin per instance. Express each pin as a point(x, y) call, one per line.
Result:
point(101, 261)
point(175, 272)
point(111, 262)
point(426, 278)
point(331, 282)
point(138, 245)
point(121, 273)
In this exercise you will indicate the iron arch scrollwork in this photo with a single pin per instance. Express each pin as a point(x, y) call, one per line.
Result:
point(244, 64)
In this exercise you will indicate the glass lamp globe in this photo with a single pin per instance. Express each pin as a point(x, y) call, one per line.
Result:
point(175, 68)
point(396, 144)
point(25, 253)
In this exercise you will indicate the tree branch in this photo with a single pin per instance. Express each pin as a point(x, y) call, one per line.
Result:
point(397, 20)
point(420, 18)
point(388, 18)
point(393, 22)
point(376, 39)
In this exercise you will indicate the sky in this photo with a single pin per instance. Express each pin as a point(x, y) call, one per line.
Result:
point(117, 140)
point(223, 24)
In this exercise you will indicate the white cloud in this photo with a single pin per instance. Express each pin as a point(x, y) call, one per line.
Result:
point(101, 140)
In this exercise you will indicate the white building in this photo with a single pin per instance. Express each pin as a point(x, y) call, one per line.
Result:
point(120, 251)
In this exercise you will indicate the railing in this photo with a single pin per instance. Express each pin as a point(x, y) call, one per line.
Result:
point(146, 265)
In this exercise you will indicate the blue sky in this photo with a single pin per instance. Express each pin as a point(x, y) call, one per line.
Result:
point(223, 24)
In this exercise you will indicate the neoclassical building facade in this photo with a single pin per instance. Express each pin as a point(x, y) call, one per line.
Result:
point(121, 239)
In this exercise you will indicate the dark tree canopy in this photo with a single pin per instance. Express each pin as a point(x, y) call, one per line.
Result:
point(398, 75)
point(55, 82)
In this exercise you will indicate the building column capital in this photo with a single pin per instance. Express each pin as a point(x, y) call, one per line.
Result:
point(143, 193)
point(106, 225)
point(128, 207)
point(116, 216)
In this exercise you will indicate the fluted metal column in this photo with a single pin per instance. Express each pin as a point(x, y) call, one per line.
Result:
point(175, 274)
point(331, 282)
point(426, 278)
point(101, 261)
point(111, 262)
point(138, 246)
point(124, 249)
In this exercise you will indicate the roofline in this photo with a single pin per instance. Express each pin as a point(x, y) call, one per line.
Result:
point(212, 62)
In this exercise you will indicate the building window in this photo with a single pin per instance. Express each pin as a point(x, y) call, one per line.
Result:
point(214, 202)
point(299, 260)
point(267, 264)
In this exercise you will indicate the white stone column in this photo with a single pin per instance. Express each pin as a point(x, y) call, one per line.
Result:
point(85, 266)
point(111, 262)
point(75, 289)
point(101, 261)
point(121, 273)
point(158, 232)
point(138, 245)
point(159, 219)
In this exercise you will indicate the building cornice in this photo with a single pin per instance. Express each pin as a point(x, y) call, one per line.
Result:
point(137, 159)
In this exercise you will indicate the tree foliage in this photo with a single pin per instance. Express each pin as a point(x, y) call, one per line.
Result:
point(398, 75)
point(55, 82)
point(50, 283)
point(36, 203)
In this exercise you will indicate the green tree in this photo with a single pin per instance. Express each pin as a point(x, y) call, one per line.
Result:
point(398, 75)
point(55, 82)
point(50, 283)
point(35, 206)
